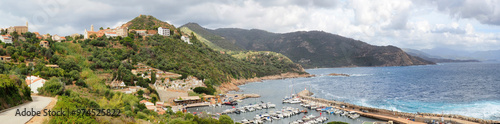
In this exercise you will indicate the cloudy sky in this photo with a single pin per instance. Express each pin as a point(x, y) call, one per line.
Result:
point(420, 24)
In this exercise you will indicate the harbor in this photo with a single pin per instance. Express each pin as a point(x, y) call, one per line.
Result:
point(392, 116)
point(366, 94)
point(291, 112)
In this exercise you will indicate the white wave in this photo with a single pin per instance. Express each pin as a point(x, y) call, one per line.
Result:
point(483, 110)
point(359, 75)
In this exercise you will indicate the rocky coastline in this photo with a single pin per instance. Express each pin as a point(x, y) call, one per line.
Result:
point(233, 85)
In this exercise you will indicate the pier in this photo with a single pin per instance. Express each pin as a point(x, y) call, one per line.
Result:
point(242, 96)
point(394, 116)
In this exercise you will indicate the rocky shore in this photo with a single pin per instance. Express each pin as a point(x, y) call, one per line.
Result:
point(233, 85)
point(337, 74)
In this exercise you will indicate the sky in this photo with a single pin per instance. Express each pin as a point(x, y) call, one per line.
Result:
point(471, 25)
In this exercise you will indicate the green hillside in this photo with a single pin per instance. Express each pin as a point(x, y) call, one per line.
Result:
point(146, 22)
point(214, 41)
point(317, 49)
point(219, 43)
point(86, 66)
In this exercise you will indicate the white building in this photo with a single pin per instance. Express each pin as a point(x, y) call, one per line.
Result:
point(186, 39)
point(164, 31)
point(110, 34)
point(6, 38)
point(35, 82)
point(58, 38)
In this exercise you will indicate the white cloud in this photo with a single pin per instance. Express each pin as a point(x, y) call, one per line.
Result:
point(420, 24)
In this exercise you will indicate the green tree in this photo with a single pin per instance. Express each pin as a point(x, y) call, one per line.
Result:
point(225, 119)
point(68, 64)
point(101, 28)
point(21, 59)
point(2, 52)
point(337, 122)
point(14, 57)
point(52, 87)
point(3, 32)
point(154, 98)
point(140, 92)
point(153, 77)
point(10, 50)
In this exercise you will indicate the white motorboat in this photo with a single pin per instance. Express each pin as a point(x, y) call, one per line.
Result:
point(258, 121)
point(245, 121)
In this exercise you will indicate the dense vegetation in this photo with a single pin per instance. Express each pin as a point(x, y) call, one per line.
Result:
point(147, 22)
point(337, 122)
point(212, 40)
point(79, 69)
point(52, 87)
point(13, 91)
point(202, 62)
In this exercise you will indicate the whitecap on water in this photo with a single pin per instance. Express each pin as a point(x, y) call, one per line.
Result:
point(483, 110)
point(359, 75)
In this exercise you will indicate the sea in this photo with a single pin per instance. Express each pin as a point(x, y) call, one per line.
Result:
point(469, 89)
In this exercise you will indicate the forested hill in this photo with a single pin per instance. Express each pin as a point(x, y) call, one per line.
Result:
point(197, 59)
point(314, 49)
point(146, 22)
point(211, 39)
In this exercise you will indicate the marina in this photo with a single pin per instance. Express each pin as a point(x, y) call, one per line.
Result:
point(281, 113)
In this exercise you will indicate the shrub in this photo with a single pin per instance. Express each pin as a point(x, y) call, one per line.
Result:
point(52, 87)
point(205, 90)
point(337, 122)
point(225, 119)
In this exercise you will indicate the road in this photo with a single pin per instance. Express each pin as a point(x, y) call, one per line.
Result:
point(38, 103)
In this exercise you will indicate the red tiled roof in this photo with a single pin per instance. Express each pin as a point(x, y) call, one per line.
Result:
point(33, 81)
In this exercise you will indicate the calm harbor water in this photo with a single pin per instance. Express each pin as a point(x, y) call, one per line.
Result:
point(470, 89)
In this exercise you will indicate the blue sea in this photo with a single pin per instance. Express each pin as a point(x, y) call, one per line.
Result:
point(470, 89)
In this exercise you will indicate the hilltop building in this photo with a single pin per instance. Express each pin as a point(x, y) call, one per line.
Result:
point(145, 32)
point(46, 36)
point(38, 35)
point(164, 31)
point(185, 39)
point(119, 31)
point(35, 82)
point(18, 29)
point(6, 38)
point(58, 38)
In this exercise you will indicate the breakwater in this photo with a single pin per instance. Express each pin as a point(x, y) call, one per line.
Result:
point(395, 116)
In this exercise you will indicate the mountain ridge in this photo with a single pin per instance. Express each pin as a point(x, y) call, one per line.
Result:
point(317, 49)
point(436, 59)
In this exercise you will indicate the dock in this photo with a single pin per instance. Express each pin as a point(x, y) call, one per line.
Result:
point(243, 96)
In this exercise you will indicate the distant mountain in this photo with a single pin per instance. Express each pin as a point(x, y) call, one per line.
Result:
point(492, 55)
point(432, 58)
point(312, 49)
